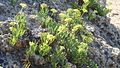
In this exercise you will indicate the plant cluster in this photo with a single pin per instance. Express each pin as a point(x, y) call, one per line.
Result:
point(18, 27)
point(66, 41)
point(93, 5)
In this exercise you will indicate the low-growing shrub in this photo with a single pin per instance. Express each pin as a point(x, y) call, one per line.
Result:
point(87, 5)
point(66, 40)
point(18, 27)
point(69, 33)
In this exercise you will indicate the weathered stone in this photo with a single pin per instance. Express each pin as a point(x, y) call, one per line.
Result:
point(2, 8)
point(59, 4)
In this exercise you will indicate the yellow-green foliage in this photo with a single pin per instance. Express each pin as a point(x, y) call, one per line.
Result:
point(69, 33)
point(91, 5)
point(18, 27)
point(67, 38)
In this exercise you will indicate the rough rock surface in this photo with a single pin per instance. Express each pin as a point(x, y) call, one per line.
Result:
point(105, 50)
point(59, 4)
